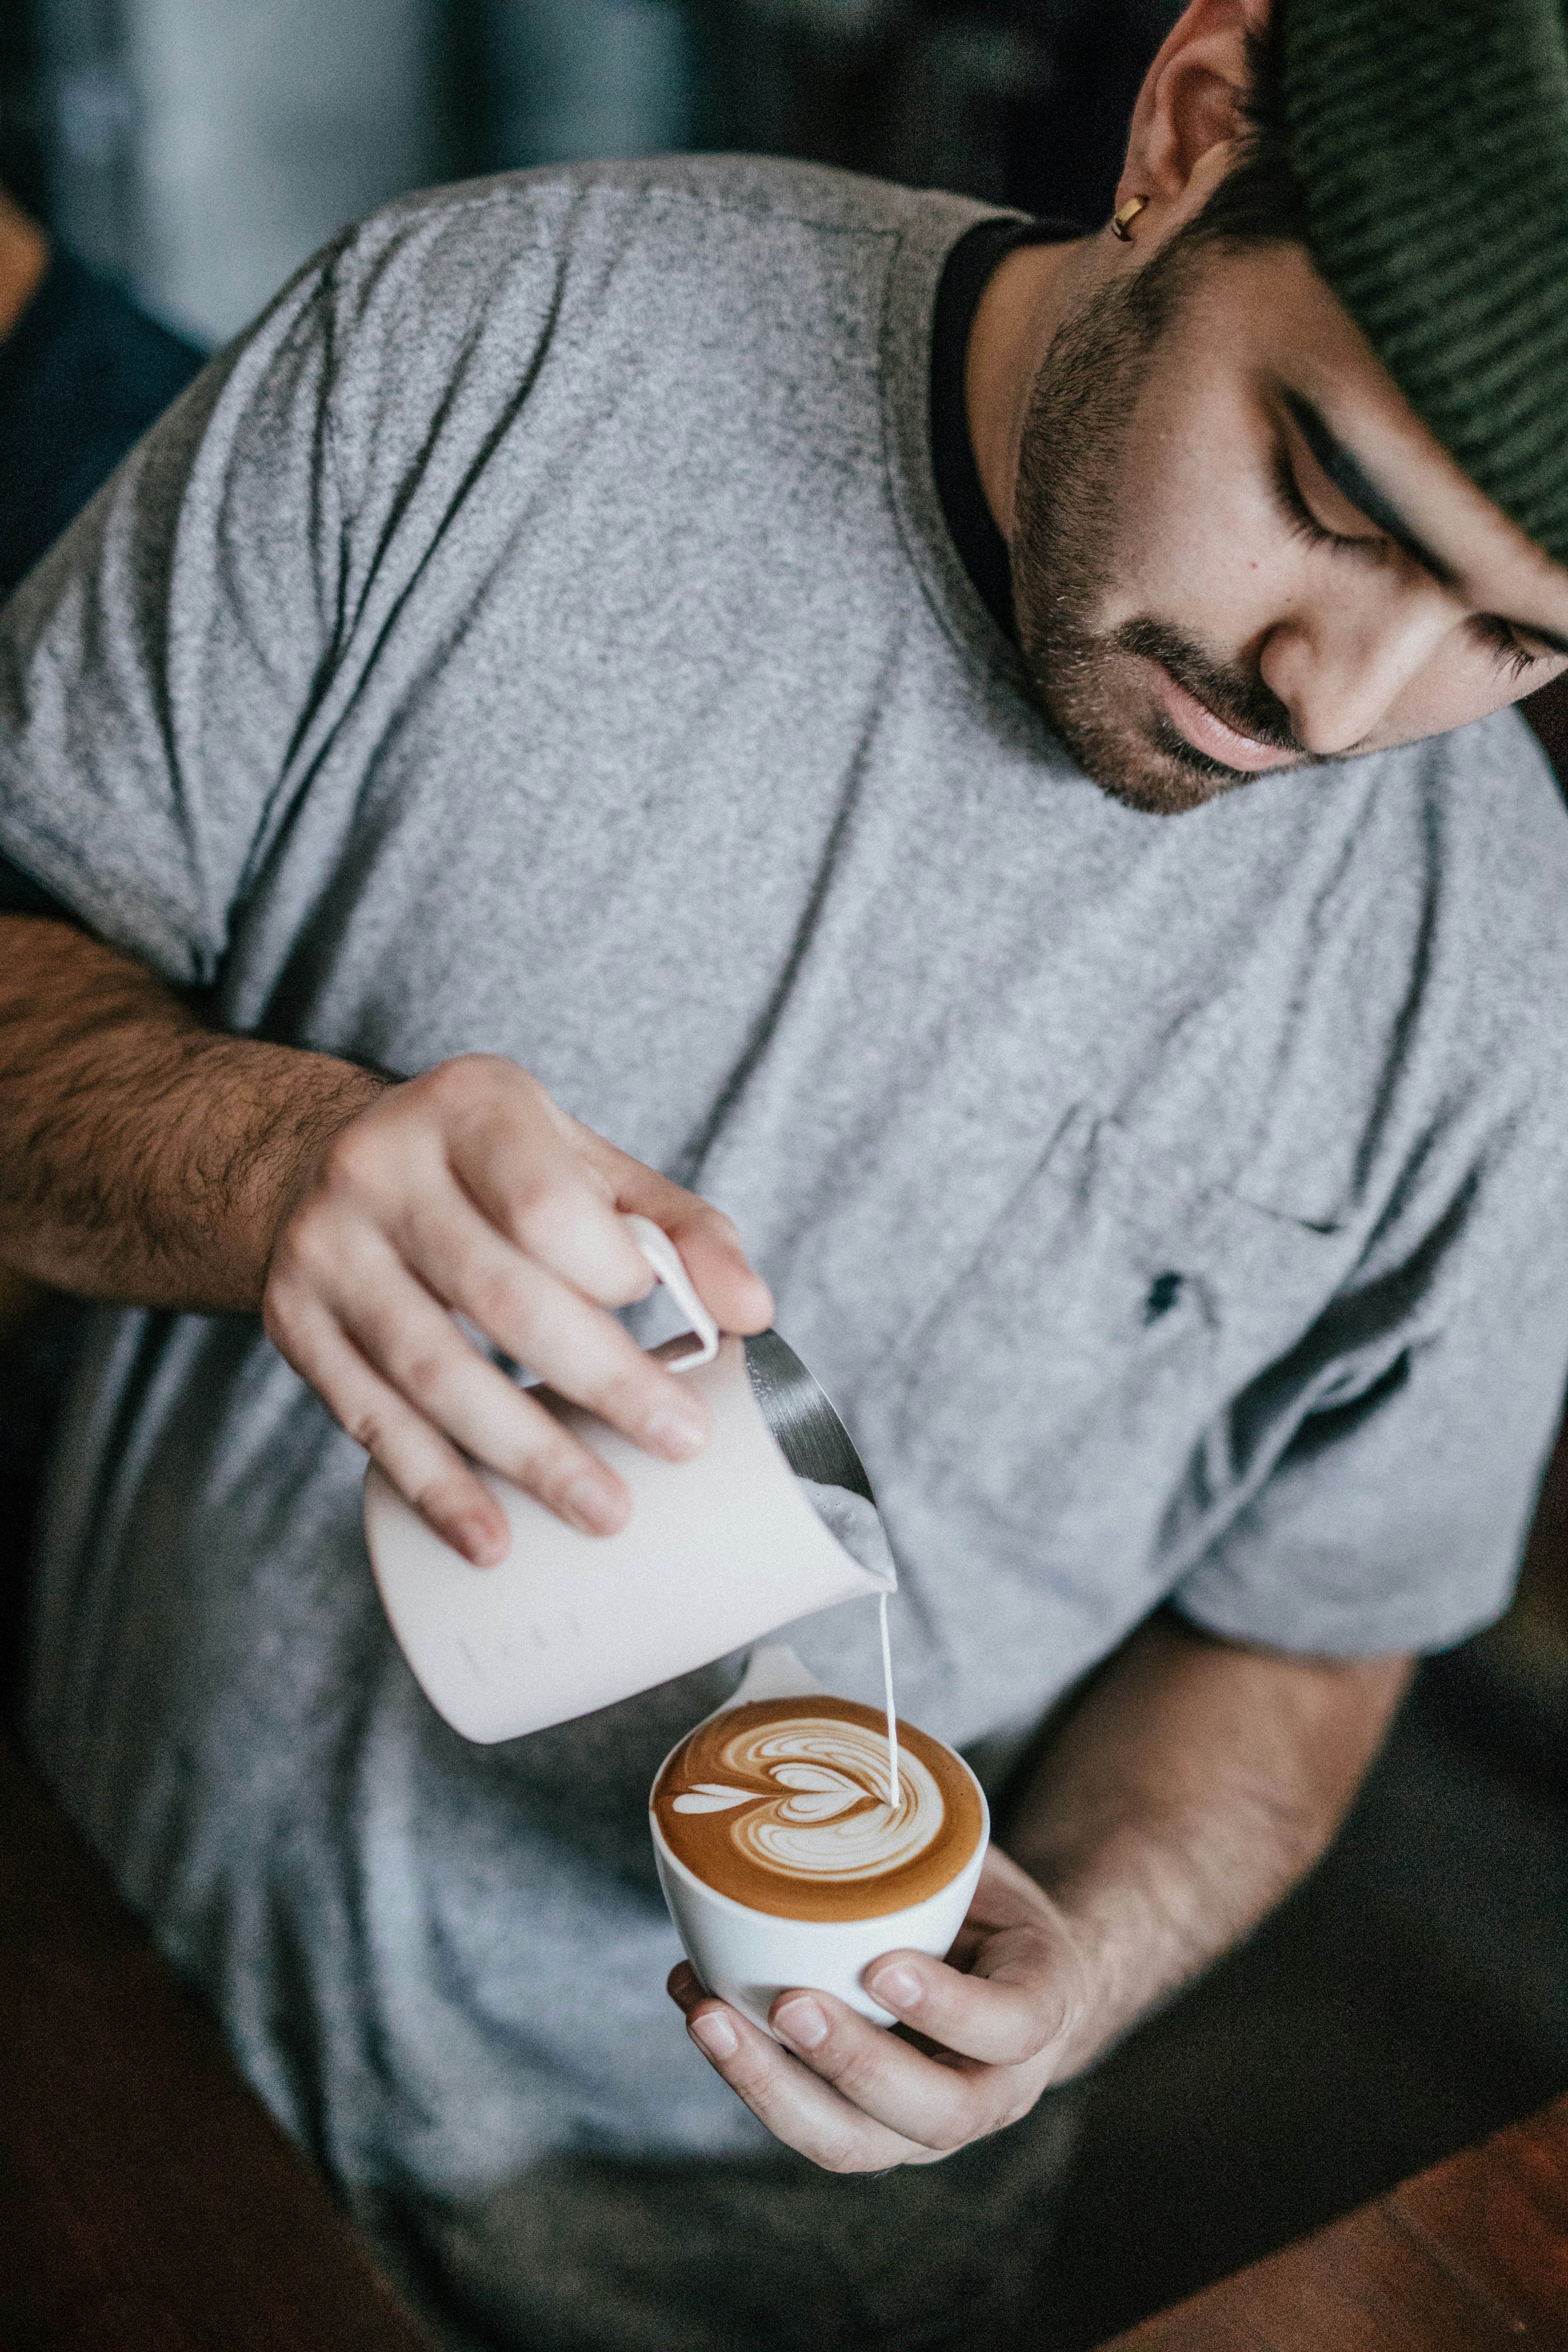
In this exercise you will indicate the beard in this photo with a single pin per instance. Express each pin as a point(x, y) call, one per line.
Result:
point(1076, 433)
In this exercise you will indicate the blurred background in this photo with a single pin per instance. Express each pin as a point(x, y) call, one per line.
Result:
point(200, 150)
point(193, 152)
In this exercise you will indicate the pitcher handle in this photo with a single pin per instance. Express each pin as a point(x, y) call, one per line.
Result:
point(664, 1259)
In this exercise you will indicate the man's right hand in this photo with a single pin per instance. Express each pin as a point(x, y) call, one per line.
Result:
point(153, 1161)
point(469, 1191)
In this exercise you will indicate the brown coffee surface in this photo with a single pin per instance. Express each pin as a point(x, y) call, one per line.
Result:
point(782, 1804)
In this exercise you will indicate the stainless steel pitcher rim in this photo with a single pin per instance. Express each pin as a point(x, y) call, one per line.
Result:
point(801, 1418)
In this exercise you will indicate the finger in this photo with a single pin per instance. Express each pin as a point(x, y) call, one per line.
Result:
point(1007, 2010)
point(521, 1161)
point(732, 1290)
point(408, 1338)
point(572, 1345)
point(405, 1338)
point(428, 1473)
point(804, 2113)
point(940, 2102)
point(1013, 1941)
point(709, 1242)
point(565, 1213)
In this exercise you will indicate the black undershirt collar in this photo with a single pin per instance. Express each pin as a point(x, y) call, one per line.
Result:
point(964, 278)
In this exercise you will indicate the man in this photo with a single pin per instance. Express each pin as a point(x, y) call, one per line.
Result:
point(764, 687)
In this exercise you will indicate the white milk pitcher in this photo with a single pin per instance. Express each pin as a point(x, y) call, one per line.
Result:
point(716, 1553)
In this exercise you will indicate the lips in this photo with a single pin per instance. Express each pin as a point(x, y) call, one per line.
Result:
point(1198, 725)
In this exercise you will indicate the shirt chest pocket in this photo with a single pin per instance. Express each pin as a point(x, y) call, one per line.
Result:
point(1110, 1321)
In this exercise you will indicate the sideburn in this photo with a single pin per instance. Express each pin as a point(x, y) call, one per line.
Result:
point(1070, 470)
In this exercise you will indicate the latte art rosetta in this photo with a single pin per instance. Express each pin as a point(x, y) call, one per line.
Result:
point(831, 1817)
point(785, 1806)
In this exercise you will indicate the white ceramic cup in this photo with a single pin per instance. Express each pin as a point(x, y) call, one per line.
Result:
point(748, 1957)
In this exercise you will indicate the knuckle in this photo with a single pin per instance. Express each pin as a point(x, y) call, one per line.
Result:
point(308, 1248)
point(349, 1162)
point(355, 1178)
point(854, 2072)
point(1027, 2033)
point(625, 1393)
point(549, 1470)
point(494, 1303)
point(444, 1501)
point(367, 1427)
point(423, 1377)
point(460, 1074)
point(633, 1279)
point(844, 2157)
point(451, 1095)
point(713, 1222)
point(950, 2134)
point(541, 1217)
point(746, 2079)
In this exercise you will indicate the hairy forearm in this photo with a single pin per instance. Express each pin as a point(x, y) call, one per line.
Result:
point(143, 1158)
point(1192, 1785)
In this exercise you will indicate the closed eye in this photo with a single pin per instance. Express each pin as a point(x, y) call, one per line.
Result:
point(1498, 637)
point(1305, 525)
point(1345, 477)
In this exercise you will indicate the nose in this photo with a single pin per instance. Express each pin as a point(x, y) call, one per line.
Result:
point(1341, 663)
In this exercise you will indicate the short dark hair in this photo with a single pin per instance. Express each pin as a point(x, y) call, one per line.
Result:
point(1259, 201)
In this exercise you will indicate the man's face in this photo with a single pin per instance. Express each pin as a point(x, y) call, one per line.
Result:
point(1236, 548)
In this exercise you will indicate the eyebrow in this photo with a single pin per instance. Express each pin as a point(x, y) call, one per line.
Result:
point(1351, 478)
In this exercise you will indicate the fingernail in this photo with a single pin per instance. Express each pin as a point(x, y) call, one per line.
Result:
point(479, 1543)
point(715, 2033)
point(590, 1508)
point(896, 1988)
point(801, 2023)
point(674, 1434)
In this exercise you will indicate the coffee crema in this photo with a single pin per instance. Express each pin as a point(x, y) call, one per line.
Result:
point(784, 1805)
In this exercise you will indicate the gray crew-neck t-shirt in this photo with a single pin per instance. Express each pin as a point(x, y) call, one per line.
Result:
point(541, 636)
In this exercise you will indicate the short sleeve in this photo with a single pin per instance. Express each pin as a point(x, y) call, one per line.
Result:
point(1393, 1511)
point(157, 665)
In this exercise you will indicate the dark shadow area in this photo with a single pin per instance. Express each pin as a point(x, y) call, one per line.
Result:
point(1410, 1999)
point(37, 1353)
point(1020, 101)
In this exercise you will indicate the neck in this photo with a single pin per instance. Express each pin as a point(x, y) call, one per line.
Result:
point(1028, 297)
point(24, 257)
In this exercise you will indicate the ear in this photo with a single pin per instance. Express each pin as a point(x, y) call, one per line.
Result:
point(1189, 109)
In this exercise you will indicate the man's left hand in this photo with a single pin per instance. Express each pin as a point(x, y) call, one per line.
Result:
point(981, 2034)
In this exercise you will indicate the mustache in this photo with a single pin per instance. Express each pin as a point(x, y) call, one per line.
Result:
point(1237, 696)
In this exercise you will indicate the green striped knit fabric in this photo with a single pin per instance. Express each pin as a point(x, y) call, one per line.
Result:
point(1430, 138)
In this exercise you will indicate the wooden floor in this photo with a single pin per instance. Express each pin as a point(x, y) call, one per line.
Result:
point(1470, 2257)
point(148, 2202)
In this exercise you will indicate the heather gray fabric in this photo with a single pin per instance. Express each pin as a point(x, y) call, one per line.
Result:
point(592, 2253)
point(541, 636)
